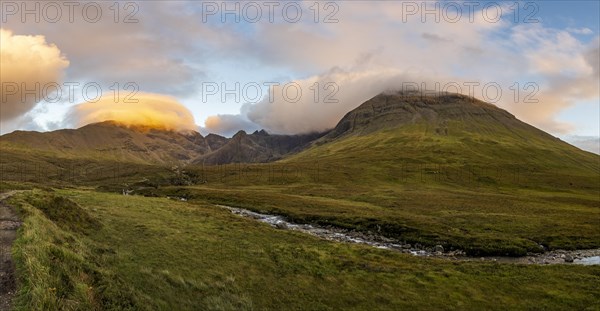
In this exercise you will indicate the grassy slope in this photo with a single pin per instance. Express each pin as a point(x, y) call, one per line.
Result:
point(22, 165)
point(108, 141)
point(484, 188)
point(495, 223)
point(470, 191)
point(474, 191)
point(151, 253)
point(490, 149)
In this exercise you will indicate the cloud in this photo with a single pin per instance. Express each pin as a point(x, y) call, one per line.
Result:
point(580, 31)
point(227, 124)
point(170, 52)
point(592, 56)
point(368, 58)
point(567, 72)
point(30, 121)
point(588, 143)
point(367, 27)
point(300, 107)
point(150, 110)
point(434, 37)
point(318, 103)
point(28, 63)
point(161, 50)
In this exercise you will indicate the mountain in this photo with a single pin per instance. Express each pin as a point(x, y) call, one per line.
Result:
point(215, 141)
point(442, 114)
point(378, 137)
point(389, 132)
point(109, 140)
point(256, 147)
point(112, 141)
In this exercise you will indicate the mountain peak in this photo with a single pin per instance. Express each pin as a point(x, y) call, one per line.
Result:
point(262, 132)
point(138, 127)
point(392, 110)
point(239, 134)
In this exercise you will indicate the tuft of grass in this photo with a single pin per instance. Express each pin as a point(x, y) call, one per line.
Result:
point(64, 212)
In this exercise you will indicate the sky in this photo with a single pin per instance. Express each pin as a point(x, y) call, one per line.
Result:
point(295, 66)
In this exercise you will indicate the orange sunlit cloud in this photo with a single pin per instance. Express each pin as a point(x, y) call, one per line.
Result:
point(151, 110)
point(28, 63)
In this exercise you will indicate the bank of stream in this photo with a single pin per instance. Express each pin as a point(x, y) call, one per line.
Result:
point(582, 257)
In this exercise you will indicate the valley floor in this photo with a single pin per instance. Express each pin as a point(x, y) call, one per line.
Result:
point(80, 249)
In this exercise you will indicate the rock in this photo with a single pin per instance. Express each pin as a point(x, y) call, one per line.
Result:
point(407, 246)
point(281, 225)
point(439, 248)
point(568, 258)
point(387, 240)
point(396, 246)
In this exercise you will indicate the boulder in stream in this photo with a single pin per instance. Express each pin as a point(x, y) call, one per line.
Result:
point(568, 258)
point(281, 225)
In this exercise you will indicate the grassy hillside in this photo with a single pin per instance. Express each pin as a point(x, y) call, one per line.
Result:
point(451, 171)
point(32, 166)
point(467, 176)
point(142, 253)
point(109, 141)
point(463, 174)
point(409, 151)
point(479, 221)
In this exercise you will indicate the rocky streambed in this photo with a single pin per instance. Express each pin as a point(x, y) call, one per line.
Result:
point(582, 257)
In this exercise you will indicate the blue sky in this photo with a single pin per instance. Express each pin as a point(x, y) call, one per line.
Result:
point(564, 14)
point(175, 49)
point(579, 15)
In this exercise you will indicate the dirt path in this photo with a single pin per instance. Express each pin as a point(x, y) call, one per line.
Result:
point(9, 223)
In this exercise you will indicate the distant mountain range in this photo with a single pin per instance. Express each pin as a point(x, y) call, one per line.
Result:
point(448, 128)
point(110, 140)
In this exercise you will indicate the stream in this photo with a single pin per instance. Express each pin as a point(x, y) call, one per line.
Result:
point(581, 257)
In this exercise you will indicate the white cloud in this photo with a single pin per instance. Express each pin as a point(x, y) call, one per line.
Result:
point(580, 31)
point(227, 125)
point(171, 51)
point(372, 56)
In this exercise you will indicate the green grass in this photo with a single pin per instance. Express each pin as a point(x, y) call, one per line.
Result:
point(21, 166)
point(484, 188)
point(139, 253)
point(480, 222)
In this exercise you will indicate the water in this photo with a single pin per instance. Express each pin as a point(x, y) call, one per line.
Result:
point(581, 257)
point(587, 261)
